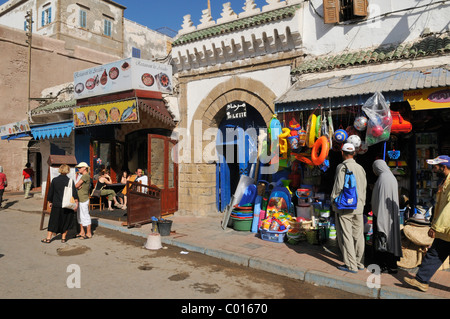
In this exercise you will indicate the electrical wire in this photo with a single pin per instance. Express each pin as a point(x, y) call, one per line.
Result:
point(381, 15)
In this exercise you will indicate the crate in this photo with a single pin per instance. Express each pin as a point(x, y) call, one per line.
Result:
point(273, 236)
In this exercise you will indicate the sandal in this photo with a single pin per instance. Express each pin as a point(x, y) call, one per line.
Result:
point(46, 241)
point(86, 237)
point(79, 236)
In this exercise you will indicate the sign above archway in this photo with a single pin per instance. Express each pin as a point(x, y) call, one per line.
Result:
point(236, 110)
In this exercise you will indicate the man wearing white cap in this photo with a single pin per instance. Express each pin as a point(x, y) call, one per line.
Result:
point(440, 228)
point(82, 185)
point(349, 222)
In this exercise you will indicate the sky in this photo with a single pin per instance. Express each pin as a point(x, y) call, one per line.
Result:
point(156, 14)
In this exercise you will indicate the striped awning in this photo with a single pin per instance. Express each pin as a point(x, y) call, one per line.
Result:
point(53, 130)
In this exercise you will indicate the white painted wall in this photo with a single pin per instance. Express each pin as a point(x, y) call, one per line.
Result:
point(276, 79)
point(320, 38)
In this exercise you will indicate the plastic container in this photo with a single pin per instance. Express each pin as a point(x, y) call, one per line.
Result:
point(164, 227)
point(242, 224)
point(273, 236)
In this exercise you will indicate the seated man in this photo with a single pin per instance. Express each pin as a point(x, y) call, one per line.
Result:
point(143, 179)
point(138, 176)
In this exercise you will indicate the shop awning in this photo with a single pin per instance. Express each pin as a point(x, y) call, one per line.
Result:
point(52, 130)
point(157, 109)
point(355, 89)
point(14, 136)
point(15, 130)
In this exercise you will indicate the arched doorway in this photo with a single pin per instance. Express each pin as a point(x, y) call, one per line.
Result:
point(236, 145)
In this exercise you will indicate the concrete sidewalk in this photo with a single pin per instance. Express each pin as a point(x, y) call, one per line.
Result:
point(312, 263)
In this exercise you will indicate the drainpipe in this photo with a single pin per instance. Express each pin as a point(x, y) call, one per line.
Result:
point(29, 18)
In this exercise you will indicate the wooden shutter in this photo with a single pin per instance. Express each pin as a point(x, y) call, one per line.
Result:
point(331, 11)
point(360, 8)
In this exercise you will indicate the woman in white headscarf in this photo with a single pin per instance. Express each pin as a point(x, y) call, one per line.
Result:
point(385, 207)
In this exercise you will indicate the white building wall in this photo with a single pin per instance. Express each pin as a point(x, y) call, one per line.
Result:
point(393, 28)
point(153, 45)
point(277, 79)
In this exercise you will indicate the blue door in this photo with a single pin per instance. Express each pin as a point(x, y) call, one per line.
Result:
point(236, 148)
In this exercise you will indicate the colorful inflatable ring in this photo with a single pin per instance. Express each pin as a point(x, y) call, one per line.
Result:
point(303, 159)
point(311, 131)
point(318, 125)
point(322, 144)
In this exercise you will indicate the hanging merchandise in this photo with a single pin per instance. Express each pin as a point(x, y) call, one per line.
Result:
point(380, 119)
point(330, 128)
point(283, 142)
point(360, 123)
point(399, 124)
point(311, 130)
point(293, 139)
point(340, 136)
point(355, 140)
point(319, 157)
point(319, 153)
point(362, 149)
point(318, 125)
point(302, 133)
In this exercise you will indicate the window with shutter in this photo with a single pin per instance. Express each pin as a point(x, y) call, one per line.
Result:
point(331, 11)
point(335, 11)
point(360, 7)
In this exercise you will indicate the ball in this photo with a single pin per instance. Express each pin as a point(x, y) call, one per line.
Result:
point(340, 136)
point(362, 149)
point(377, 131)
point(355, 140)
point(360, 123)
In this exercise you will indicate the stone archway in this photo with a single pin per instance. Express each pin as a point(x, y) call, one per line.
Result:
point(212, 108)
point(198, 180)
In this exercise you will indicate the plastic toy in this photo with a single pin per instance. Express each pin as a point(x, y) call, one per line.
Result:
point(340, 136)
point(360, 123)
point(355, 140)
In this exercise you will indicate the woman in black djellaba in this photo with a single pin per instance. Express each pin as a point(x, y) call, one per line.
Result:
point(61, 219)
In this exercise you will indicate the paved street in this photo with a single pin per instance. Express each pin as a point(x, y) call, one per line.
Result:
point(115, 265)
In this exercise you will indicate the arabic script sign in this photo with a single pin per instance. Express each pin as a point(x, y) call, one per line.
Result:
point(236, 110)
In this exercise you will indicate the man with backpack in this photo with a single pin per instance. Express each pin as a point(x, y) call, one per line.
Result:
point(348, 202)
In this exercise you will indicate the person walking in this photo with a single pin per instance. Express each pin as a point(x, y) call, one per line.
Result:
point(439, 230)
point(350, 222)
point(385, 207)
point(61, 219)
point(28, 175)
point(83, 217)
point(3, 184)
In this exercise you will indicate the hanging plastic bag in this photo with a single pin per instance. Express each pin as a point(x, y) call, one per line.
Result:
point(380, 119)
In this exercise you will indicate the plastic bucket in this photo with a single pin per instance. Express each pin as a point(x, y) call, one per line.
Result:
point(164, 227)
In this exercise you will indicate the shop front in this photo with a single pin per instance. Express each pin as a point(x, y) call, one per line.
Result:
point(414, 128)
point(126, 127)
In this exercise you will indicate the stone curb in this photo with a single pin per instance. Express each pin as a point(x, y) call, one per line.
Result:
point(309, 276)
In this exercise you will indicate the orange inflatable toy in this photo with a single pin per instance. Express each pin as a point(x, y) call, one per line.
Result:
point(316, 157)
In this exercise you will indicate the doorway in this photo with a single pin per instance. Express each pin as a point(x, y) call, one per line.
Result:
point(236, 145)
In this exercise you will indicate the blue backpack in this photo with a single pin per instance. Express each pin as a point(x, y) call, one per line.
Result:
point(348, 198)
